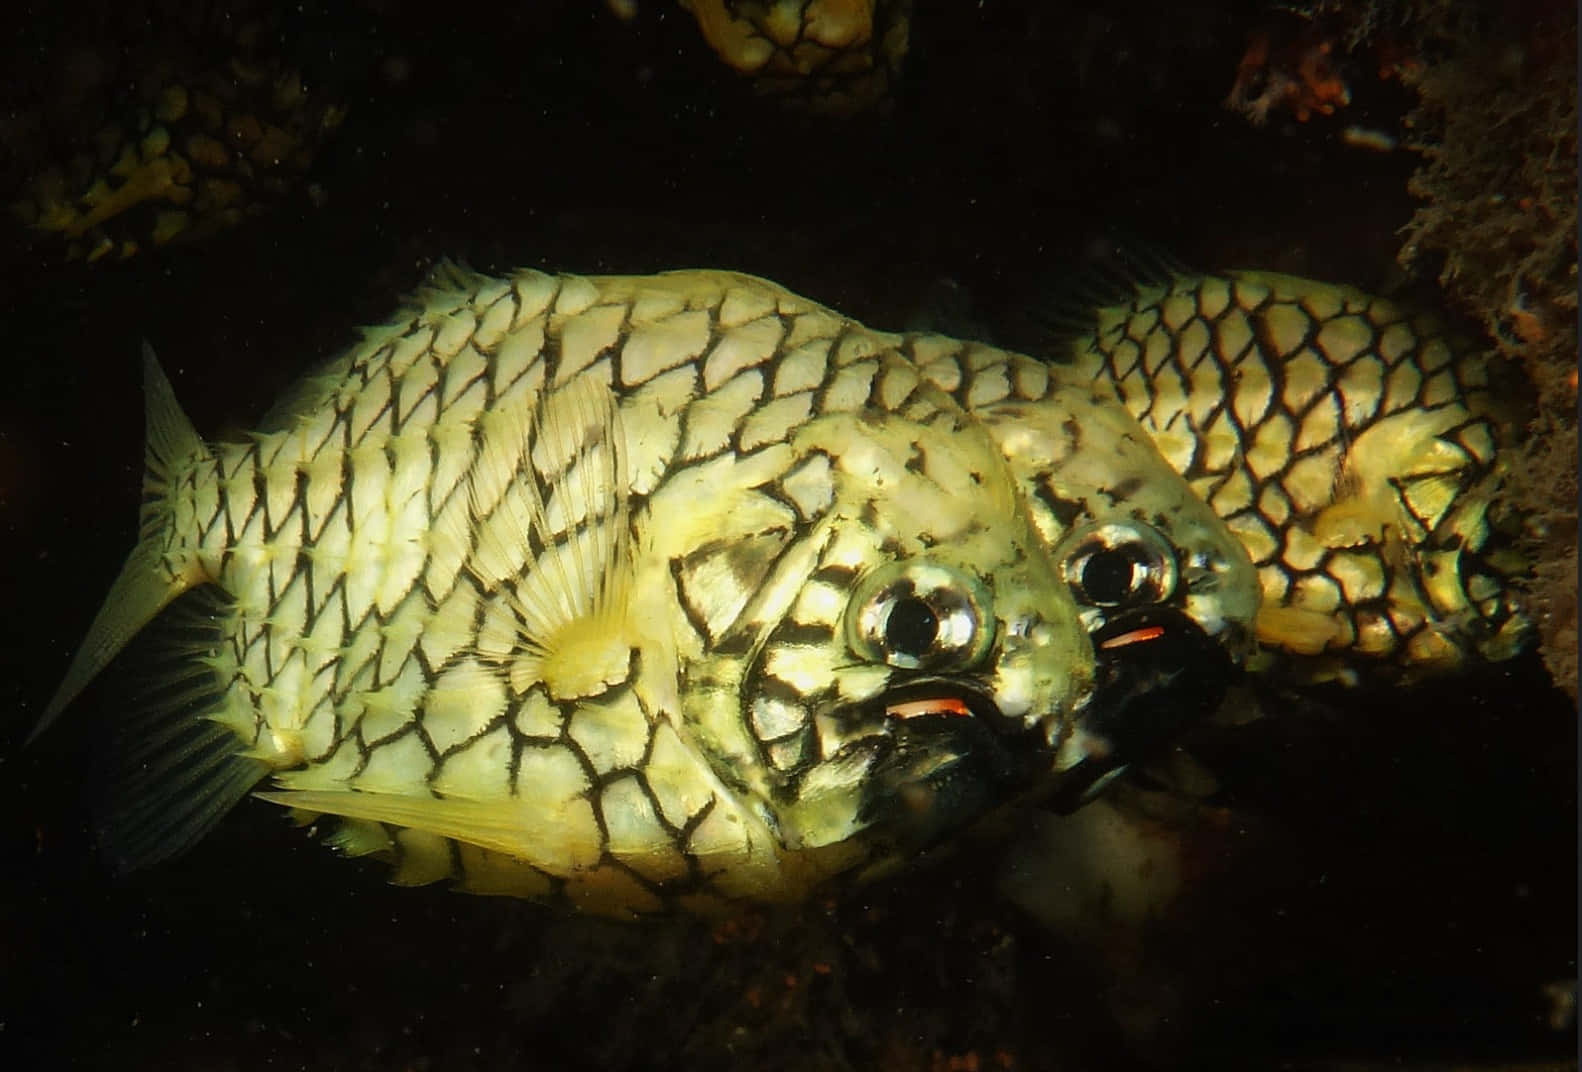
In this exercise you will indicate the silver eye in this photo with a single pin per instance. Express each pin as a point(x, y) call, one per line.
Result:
point(1119, 564)
point(917, 615)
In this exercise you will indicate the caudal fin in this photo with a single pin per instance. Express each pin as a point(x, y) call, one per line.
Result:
point(151, 577)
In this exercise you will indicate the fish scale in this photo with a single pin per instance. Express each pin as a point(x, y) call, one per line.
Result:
point(1352, 446)
point(549, 586)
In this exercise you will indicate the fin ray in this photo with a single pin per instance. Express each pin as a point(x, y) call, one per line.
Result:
point(147, 582)
point(173, 772)
point(550, 491)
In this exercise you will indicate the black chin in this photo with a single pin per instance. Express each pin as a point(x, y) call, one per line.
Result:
point(951, 757)
point(1159, 674)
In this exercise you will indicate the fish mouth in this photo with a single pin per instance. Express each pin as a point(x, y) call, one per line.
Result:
point(949, 756)
point(1159, 674)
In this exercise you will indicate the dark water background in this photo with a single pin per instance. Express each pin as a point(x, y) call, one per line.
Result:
point(1413, 887)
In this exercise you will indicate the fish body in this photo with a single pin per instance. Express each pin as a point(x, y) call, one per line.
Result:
point(835, 58)
point(1355, 448)
point(646, 592)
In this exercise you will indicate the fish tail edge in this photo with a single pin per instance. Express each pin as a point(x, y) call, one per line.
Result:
point(151, 577)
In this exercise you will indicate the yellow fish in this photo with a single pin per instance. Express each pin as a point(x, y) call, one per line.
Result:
point(1354, 447)
point(658, 592)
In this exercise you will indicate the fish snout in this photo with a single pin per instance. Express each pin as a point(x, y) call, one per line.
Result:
point(1159, 673)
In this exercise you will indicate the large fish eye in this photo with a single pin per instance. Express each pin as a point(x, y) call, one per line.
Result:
point(915, 615)
point(1119, 564)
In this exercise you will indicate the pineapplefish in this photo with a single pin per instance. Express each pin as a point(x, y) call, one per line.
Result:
point(1358, 448)
point(648, 593)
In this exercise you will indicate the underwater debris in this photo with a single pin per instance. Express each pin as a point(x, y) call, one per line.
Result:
point(1367, 138)
point(1289, 71)
point(217, 125)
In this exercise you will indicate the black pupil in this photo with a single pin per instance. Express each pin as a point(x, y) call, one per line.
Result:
point(1107, 575)
point(911, 627)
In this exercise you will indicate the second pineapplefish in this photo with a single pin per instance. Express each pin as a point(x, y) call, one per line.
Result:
point(1353, 445)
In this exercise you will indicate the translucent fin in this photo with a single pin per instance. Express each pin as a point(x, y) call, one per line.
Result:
point(172, 772)
point(1117, 268)
point(305, 395)
point(148, 581)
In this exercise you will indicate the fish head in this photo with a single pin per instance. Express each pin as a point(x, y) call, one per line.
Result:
point(1164, 588)
point(931, 661)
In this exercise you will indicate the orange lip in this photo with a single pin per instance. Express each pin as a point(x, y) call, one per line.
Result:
point(1136, 636)
point(942, 705)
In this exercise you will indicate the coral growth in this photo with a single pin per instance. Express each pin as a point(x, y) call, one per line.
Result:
point(1496, 128)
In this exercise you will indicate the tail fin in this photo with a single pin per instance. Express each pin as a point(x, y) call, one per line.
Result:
point(150, 579)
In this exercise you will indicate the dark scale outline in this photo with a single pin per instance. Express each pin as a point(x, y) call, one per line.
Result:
point(833, 371)
point(678, 835)
point(1276, 559)
point(1374, 404)
point(297, 508)
point(400, 610)
point(803, 634)
point(734, 644)
point(1373, 551)
point(1435, 539)
point(365, 748)
point(1184, 415)
point(228, 548)
point(1454, 397)
point(773, 489)
point(338, 728)
point(442, 755)
point(1458, 430)
point(688, 611)
point(758, 681)
point(702, 881)
point(399, 420)
point(507, 294)
point(960, 396)
point(589, 792)
point(807, 738)
point(613, 351)
point(1064, 511)
point(716, 337)
point(835, 574)
point(1108, 350)
point(920, 382)
point(908, 351)
point(339, 503)
point(764, 403)
point(523, 741)
point(655, 887)
point(353, 438)
point(733, 441)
